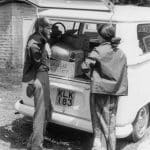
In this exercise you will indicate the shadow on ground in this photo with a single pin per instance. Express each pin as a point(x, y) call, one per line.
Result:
point(57, 137)
point(63, 138)
point(16, 133)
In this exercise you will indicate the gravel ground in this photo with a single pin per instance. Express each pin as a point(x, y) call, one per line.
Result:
point(15, 129)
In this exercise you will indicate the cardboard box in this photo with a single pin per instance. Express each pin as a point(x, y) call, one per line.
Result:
point(65, 68)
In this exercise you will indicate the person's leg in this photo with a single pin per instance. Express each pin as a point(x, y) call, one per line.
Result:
point(36, 139)
point(109, 115)
point(47, 98)
point(44, 79)
point(98, 140)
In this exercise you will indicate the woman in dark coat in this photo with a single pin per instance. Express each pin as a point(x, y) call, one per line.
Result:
point(108, 67)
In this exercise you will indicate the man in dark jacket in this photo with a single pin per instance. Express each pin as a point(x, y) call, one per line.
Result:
point(35, 73)
point(108, 68)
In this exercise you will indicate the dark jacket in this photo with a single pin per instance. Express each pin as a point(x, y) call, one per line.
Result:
point(36, 57)
point(109, 70)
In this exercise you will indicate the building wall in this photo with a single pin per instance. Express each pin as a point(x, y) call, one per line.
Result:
point(19, 12)
point(11, 33)
point(5, 34)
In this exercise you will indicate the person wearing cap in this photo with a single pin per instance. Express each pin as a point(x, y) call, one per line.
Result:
point(35, 73)
point(107, 66)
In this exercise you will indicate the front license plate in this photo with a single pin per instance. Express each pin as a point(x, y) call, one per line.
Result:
point(65, 97)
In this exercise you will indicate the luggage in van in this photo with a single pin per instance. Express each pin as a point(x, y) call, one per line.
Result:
point(77, 41)
point(66, 61)
point(65, 52)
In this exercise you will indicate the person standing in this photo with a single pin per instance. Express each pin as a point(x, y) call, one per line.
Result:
point(35, 73)
point(107, 65)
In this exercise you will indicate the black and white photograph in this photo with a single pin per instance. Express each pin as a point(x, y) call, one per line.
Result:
point(74, 74)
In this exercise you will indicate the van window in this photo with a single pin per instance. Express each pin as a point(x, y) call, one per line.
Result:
point(76, 33)
point(90, 30)
point(66, 25)
point(143, 34)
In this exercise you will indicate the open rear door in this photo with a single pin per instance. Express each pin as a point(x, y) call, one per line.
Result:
point(77, 10)
point(97, 5)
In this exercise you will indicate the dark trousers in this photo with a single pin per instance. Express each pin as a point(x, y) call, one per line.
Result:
point(43, 109)
point(103, 116)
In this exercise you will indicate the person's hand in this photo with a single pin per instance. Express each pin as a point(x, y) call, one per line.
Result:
point(85, 67)
point(48, 49)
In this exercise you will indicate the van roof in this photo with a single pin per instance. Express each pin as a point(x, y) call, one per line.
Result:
point(127, 13)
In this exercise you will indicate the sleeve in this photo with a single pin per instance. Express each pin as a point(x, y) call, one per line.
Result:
point(35, 51)
point(92, 58)
point(90, 61)
point(93, 55)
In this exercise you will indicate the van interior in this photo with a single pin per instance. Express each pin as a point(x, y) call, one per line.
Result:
point(72, 41)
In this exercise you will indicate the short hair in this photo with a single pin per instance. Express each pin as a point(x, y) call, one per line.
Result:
point(41, 22)
point(106, 31)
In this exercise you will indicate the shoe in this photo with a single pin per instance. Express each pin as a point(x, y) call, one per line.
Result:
point(98, 148)
point(37, 148)
point(29, 146)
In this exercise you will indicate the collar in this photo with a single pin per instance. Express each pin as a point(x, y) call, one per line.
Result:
point(105, 43)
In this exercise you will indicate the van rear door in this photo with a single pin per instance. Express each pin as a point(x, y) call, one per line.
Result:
point(98, 5)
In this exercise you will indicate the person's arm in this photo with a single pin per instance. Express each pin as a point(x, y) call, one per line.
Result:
point(90, 61)
point(35, 51)
point(48, 49)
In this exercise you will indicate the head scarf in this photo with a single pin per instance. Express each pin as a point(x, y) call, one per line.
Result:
point(107, 32)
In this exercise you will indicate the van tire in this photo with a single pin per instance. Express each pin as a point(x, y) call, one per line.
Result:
point(141, 123)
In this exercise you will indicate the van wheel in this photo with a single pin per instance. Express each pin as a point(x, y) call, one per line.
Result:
point(141, 123)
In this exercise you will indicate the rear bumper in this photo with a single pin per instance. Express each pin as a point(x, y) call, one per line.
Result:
point(71, 121)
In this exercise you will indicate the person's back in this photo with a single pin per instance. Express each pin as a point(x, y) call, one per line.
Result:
point(108, 67)
point(107, 74)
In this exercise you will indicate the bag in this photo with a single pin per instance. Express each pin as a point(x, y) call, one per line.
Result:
point(62, 51)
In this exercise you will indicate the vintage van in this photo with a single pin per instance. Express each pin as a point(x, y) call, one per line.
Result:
point(71, 107)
